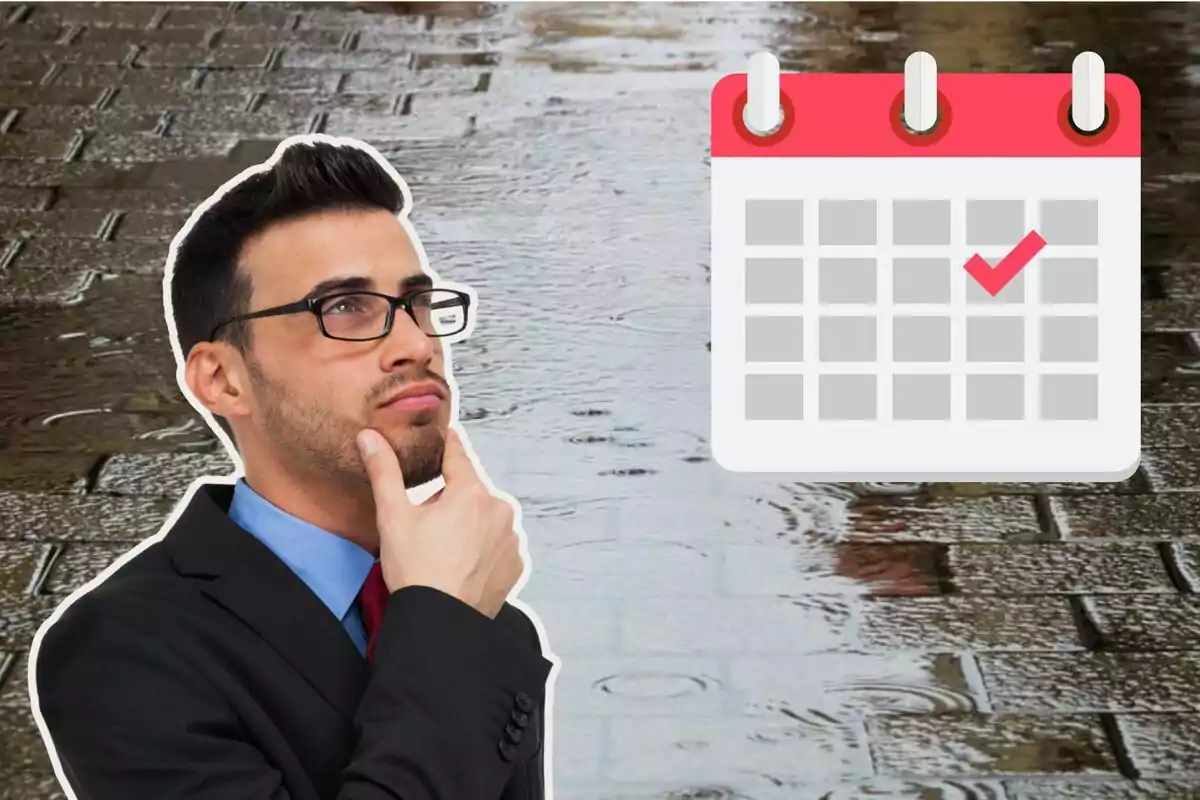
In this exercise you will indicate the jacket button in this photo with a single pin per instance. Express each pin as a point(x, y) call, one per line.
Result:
point(524, 702)
point(507, 751)
point(520, 718)
point(514, 733)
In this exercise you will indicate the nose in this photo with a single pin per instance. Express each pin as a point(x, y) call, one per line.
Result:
point(405, 344)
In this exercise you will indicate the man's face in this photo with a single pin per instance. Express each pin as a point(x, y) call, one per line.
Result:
point(313, 394)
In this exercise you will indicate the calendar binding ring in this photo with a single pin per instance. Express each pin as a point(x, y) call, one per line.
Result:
point(787, 110)
point(1112, 120)
point(935, 134)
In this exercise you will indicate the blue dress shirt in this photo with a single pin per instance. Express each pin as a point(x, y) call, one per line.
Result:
point(334, 568)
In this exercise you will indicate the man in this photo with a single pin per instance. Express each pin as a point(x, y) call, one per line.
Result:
point(257, 649)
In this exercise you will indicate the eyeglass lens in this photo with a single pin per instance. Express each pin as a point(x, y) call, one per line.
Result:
point(437, 312)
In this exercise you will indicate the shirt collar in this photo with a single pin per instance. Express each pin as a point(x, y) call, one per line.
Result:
point(333, 567)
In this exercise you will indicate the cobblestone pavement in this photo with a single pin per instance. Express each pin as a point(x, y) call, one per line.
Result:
point(722, 636)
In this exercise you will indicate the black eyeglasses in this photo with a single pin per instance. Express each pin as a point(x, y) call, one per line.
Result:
point(362, 316)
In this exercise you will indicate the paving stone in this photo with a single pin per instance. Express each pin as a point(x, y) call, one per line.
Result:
point(21, 748)
point(146, 200)
point(17, 199)
point(302, 57)
point(124, 79)
point(151, 225)
point(1162, 745)
point(21, 562)
point(1057, 568)
point(198, 15)
point(298, 81)
point(14, 672)
point(440, 81)
point(326, 38)
point(1159, 517)
point(39, 517)
point(849, 685)
point(736, 625)
point(1187, 557)
point(23, 288)
point(155, 56)
point(1171, 426)
point(961, 520)
point(373, 128)
point(35, 146)
point(78, 255)
point(1172, 470)
point(718, 751)
point(882, 569)
point(126, 15)
point(650, 567)
point(44, 472)
point(58, 119)
point(1146, 622)
point(78, 173)
point(23, 74)
point(956, 623)
point(1042, 789)
point(38, 781)
point(1172, 389)
point(54, 96)
point(986, 489)
point(1091, 682)
point(287, 16)
point(73, 225)
point(256, 124)
point(1182, 282)
point(1174, 314)
point(579, 746)
point(20, 619)
point(976, 744)
point(113, 54)
point(641, 686)
point(80, 562)
point(584, 626)
point(117, 147)
point(33, 32)
point(94, 35)
point(163, 475)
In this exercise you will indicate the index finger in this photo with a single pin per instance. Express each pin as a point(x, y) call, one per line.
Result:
point(384, 472)
point(457, 469)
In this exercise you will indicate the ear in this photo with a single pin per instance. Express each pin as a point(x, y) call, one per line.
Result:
point(215, 375)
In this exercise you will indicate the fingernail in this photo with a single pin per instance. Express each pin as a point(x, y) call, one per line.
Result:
point(366, 443)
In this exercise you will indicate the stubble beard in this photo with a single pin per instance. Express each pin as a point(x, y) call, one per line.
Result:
point(322, 443)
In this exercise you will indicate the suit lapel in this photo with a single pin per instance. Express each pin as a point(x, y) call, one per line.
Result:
point(250, 582)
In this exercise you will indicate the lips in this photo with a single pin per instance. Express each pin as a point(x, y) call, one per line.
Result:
point(417, 396)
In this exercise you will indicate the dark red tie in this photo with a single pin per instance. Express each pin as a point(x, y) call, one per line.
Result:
point(372, 601)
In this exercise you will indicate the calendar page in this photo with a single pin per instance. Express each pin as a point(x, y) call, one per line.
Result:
point(957, 303)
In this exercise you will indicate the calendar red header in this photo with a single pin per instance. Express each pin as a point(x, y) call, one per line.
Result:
point(979, 116)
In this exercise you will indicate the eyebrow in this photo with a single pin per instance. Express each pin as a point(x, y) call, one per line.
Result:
point(359, 283)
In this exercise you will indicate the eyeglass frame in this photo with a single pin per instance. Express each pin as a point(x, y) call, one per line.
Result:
point(313, 305)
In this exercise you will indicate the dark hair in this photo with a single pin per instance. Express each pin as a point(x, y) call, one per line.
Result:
point(206, 284)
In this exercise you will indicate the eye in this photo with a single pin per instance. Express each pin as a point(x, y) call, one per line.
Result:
point(350, 304)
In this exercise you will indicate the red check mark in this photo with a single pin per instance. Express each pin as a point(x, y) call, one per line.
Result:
point(993, 279)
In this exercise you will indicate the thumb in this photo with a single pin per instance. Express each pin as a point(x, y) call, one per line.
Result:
point(383, 470)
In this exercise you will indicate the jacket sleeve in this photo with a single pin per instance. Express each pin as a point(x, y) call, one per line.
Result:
point(129, 717)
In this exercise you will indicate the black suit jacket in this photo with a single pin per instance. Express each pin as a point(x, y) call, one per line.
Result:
point(205, 669)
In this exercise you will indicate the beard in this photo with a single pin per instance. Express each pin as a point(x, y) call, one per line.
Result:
point(314, 438)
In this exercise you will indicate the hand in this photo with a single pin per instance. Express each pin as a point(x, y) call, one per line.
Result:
point(463, 544)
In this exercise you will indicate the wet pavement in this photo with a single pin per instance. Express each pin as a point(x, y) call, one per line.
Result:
point(723, 636)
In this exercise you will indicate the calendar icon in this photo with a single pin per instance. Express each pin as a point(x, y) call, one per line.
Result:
point(926, 277)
